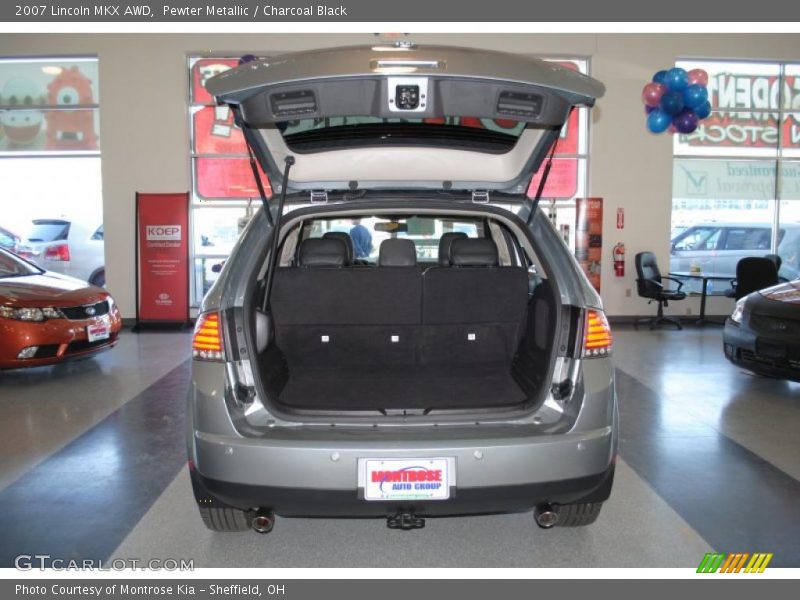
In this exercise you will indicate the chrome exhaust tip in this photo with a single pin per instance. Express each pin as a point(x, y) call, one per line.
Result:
point(264, 521)
point(545, 516)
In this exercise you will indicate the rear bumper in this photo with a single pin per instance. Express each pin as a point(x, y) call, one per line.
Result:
point(305, 502)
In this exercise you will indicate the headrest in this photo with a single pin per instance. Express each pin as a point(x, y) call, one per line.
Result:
point(397, 252)
point(473, 252)
point(323, 252)
point(445, 242)
point(348, 242)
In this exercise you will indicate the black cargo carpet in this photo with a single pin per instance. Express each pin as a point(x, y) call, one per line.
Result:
point(369, 388)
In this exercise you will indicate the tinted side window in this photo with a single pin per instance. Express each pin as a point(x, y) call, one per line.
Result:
point(747, 238)
point(98, 235)
point(698, 238)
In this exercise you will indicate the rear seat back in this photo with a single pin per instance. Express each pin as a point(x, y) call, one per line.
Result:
point(473, 311)
point(326, 314)
point(346, 316)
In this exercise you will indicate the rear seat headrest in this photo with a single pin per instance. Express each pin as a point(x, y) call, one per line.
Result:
point(397, 252)
point(474, 252)
point(348, 242)
point(445, 243)
point(323, 252)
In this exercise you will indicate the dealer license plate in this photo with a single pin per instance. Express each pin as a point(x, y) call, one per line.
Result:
point(406, 478)
point(98, 331)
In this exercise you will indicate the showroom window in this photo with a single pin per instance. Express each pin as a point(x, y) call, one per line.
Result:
point(224, 193)
point(50, 163)
point(568, 177)
point(736, 179)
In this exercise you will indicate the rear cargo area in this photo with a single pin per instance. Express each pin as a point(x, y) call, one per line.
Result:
point(399, 336)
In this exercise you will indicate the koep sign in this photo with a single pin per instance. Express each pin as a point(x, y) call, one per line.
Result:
point(163, 233)
point(162, 284)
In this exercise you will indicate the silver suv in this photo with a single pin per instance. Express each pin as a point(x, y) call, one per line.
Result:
point(459, 363)
point(715, 248)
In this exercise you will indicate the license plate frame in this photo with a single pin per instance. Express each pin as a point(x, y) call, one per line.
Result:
point(98, 331)
point(407, 479)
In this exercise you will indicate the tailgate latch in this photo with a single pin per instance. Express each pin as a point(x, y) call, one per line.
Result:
point(480, 196)
point(319, 197)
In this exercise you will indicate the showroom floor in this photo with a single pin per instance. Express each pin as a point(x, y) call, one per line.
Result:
point(93, 465)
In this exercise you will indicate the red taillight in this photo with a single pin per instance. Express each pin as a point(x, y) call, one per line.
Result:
point(58, 252)
point(207, 341)
point(597, 340)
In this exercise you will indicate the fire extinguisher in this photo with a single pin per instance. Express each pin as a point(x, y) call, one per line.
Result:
point(619, 260)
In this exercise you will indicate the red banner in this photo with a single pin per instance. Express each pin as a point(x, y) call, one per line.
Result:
point(162, 234)
point(589, 237)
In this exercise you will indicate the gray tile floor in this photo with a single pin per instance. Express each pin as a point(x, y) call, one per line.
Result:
point(43, 409)
point(693, 395)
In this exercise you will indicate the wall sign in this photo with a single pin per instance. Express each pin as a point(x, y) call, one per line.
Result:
point(162, 259)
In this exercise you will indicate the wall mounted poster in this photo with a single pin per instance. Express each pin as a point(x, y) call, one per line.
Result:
point(589, 237)
point(162, 261)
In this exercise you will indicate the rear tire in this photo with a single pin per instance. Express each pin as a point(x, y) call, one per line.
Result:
point(225, 519)
point(578, 515)
point(99, 278)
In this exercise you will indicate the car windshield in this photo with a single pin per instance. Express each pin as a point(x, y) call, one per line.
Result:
point(13, 266)
point(367, 233)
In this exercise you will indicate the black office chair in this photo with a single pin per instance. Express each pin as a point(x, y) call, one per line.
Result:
point(753, 273)
point(649, 285)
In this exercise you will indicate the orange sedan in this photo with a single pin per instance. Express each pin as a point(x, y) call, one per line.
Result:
point(47, 318)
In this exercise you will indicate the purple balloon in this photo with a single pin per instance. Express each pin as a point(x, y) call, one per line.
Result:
point(685, 121)
point(649, 109)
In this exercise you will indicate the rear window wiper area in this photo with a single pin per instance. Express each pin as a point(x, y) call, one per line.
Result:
point(430, 135)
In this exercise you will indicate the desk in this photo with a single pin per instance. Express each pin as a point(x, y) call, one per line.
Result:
point(705, 278)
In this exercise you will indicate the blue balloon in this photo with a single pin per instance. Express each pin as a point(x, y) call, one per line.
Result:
point(672, 103)
point(658, 121)
point(695, 96)
point(703, 110)
point(676, 79)
point(659, 77)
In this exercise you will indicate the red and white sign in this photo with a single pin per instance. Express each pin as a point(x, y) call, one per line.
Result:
point(406, 479)
point(162, 222)
point(620, 218)
point(742, 117)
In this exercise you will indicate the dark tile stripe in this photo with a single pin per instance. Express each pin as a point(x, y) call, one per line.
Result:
point(735, 499)
point(82, 501)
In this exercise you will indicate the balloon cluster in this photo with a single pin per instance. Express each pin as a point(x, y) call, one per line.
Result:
point(676, 100)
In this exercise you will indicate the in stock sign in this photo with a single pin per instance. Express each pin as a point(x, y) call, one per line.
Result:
point(746, 112)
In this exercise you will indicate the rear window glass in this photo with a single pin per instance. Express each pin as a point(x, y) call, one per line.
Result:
point(367, 233)
point(48, 231)
point(468, 133)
